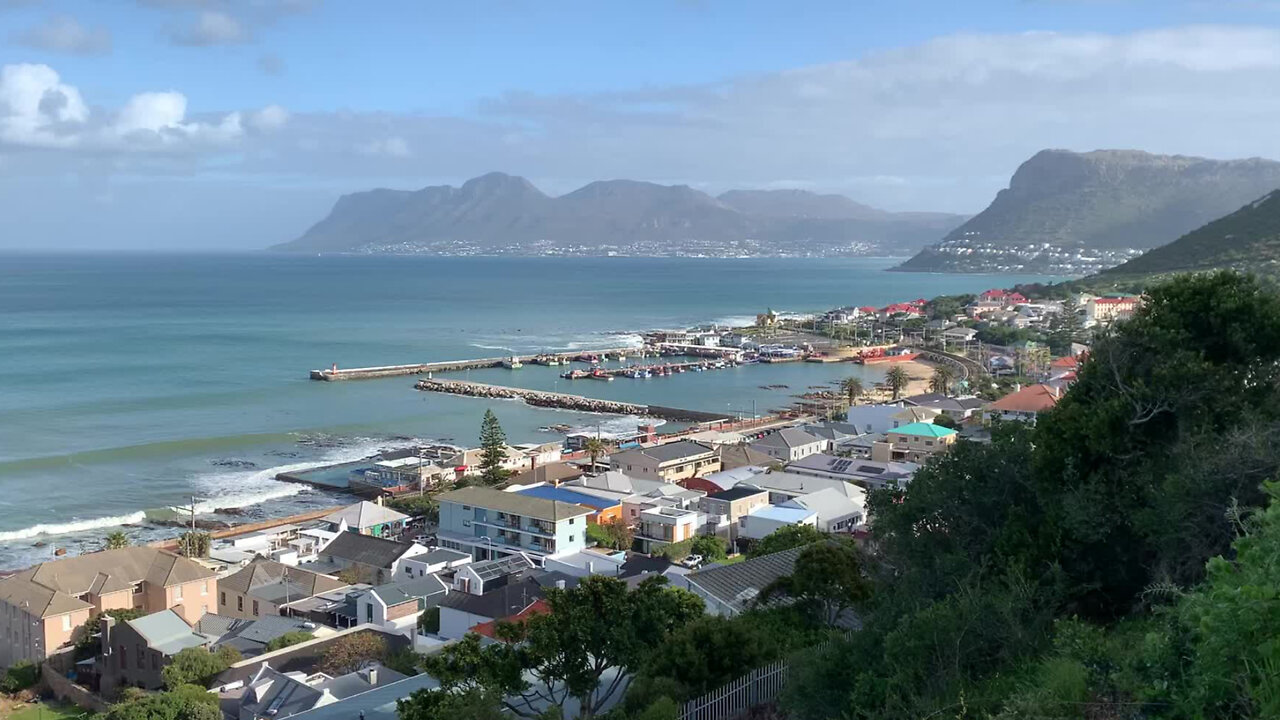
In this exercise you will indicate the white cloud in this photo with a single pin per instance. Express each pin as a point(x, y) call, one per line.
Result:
point(64, 34)
point(393, 147)
point(271, 117)
point(160, 119)
point(211, 27)
point(37, 108)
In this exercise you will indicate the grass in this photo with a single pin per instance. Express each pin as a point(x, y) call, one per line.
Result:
point(48, 711)
point(734, 560)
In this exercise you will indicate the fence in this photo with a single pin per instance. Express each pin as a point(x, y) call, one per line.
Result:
point(760, 686)
point(66, 690)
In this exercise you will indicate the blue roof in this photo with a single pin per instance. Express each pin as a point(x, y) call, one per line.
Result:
point(779, 513)
point(924, 429)
point(549, 492)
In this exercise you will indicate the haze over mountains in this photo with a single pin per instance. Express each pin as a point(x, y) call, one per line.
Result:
point(1072, 213)
point(503, 214)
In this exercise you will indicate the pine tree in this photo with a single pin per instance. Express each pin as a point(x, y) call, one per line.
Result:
point(493, 449)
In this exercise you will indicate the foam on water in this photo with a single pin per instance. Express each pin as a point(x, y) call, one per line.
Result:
point(72, 526)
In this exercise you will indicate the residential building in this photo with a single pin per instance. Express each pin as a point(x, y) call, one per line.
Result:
point(134, 653)
point(489, 523)
point(958, 408)
point(460, 612)
point(1106, 310)
point(667, 495)
point(736, 456)
point(913, 414)
point(371, 559)
point(864, 473)
point(47, 606)
point(592, 561)
point(603, 509)
point(914, 443)
point(367, 518)
point(477, 578)
point(766, 520)
point(406, 473)
point(251, 637)
point(789, 444)
point(729, 505)
point(397, 606)
point(433, 562)
point(836, 511)
point(959, 335)
point(375, 704)
point(277, 695)
point(263, 585)
point(670, 462)
point(1023, 405)
point(729, 590)
point(549, 474)
point(784, 485)
point(661, 526)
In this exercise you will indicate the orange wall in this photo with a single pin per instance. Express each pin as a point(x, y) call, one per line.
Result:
point(55, 637)
point(114, 600)
point(607, 515)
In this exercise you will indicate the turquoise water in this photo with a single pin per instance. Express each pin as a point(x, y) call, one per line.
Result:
point(131, 382)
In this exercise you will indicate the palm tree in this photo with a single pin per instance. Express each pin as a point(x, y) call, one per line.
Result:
point(116, 539)
point(897, 379)
point(852, 388)
point(942, 379)
point(595, 447)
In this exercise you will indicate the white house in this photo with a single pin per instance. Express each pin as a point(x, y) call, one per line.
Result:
point(836, 511)
point(769, 518)
point(789, 444)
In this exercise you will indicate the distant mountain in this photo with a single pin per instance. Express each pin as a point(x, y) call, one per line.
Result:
point(502, 214)
point(1247, 239)
point(1074, 213)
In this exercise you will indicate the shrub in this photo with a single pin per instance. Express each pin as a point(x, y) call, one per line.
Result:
point(293, 637)
point(20, 676)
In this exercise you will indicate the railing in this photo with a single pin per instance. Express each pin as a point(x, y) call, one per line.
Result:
point(758, 687)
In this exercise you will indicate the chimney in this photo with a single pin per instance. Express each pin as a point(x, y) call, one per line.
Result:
point(377, 500)
point(372, 676)
point(560, 584)
point(591, 567)
point(105, 624)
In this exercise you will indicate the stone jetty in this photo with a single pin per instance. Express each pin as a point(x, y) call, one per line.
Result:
point(364, 373)
point(563, 401)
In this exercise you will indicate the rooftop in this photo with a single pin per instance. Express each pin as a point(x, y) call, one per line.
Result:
point(1033, 399)
point(738, 584)
point(920, 429)
point(365, 514)
point(550, 492)
point(167, 632)
point(421, 588)
point(784, 514)
point(672, 452)
point(787, 438)
point(735, 493)
point(514, 503)
point(273, 581)
point(366, 549)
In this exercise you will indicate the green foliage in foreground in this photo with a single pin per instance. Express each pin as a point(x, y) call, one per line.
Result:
point(185, 702)
point(20, 676)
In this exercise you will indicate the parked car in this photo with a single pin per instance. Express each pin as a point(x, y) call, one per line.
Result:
point(692, 561)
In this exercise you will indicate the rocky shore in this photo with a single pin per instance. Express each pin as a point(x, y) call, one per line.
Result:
point(537, 398)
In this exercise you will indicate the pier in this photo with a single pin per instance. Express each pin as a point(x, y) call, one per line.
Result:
point(565, 401)
point(367, 373)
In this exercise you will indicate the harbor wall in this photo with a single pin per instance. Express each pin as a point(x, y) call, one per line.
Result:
point(564, 401)
point(367, 373)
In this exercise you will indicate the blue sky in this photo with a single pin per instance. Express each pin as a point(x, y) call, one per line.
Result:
point(247, 118)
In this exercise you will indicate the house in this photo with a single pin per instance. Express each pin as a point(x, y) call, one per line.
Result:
point(407, 473)
point(1023, 405)
point(367, 518)
point(662, 525)
point(480, 577)
point(668, 495)
point(273, 694)
point(396, 606)
point(736, 456)
point(262, 586)
point(731, 504)
point(908, 415)
point(45, 607)
point(335, 608)
point(251, 637)
point(462, 611)
point(378, 703)
point(592, 561)
point(135, 652)
point(789, 444)
point(785, 485)
point(1004, 297)
point(766, 520)
point(433, 562)
point(550, 474)
point(959, 334)
point(729, 590)
point(836, 511)
point(618, 482)
point(1106, 310)
point(868, 419)
point(958, 408)
point(371, 559)
point(865, 473)
point(914, 443)
point(604, 510)
point(670, 462)
point(489, 523)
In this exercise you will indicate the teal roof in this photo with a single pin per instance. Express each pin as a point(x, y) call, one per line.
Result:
point(924, 430)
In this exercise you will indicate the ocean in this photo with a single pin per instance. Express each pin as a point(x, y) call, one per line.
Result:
point(134, 382)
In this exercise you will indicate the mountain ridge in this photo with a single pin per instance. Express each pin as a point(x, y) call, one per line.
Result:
point(498, 213)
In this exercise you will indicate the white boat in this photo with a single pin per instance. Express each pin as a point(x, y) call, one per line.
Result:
point(513, 363)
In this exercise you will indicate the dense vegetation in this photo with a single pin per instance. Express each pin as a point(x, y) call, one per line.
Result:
point(1111, 562)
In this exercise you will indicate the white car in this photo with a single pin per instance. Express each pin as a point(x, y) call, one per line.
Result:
point(692, 561)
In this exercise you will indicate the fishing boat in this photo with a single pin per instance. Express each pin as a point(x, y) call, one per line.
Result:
point(512, 363)
point(574, 374)
point(877, 356)
point(599, 374)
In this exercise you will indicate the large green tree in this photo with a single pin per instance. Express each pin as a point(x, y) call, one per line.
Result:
point(193, 666)
point(184, 702)
point(785, 538)
point(827, 580)
point(493, 450)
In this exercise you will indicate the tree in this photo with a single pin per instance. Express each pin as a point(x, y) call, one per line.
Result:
point(20, 676)
point(791, 536)
point(614, 534)
point(827, 578)
point(946, 421)
point(355, 574)
point(708, 653)
point(115, 540)
point(710, 547)
point(595, 447)
point(186, 702)
point(88, 642)
point(897, 379)
point(194, 544)
point(429, 620)
point(493, 450)
point(192, 666)
point(293, 637)
point(475, 702)
point(352, 652)
point(586, 647)
point(943, 378)
point(852, 388)
point(423, 506)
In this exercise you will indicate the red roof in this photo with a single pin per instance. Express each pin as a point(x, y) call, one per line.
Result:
point(697, 483)
point(1011, 298)
point(867, 309)
point(1064, 362)
point(900, 308)
point(1033, 398)
point(537, 607)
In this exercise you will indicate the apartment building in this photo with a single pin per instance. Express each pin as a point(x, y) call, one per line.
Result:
point(671, 462)
point(490, 523)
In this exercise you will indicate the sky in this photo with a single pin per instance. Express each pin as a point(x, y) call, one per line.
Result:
point(235, 124)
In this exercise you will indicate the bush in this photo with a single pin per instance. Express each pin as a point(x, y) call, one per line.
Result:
point(429, 621)
point(20, 676)
point(675, 552)
point(710, 547)
point(193, 666)
point(293, 637)
point(423, 506)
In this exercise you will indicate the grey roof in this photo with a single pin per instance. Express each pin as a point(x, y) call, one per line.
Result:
point(515, 503)
point(939, 401)
point(376, 704)
point(216, 626)
point(365, 514)
point(498, 603)
point(674, 451)
point(796, 484)
point(441, 555)
point(831, 504)
point(46, 587)
point(854, 467)
point(366, 549)
point(735, 493)
point(736, 456)
point(269, 627)
point(490, 569)
point(787, 438)
point(276, 582)
point(737, 585)
point(421, 588)
point(167, 632)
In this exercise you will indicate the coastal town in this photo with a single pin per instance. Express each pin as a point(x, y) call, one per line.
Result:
point(325, 614)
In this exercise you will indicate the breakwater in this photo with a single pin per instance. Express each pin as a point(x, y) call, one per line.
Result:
point(366, 373)
point(564, 401)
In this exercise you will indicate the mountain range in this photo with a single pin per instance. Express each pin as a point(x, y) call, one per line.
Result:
point(503, 214)
point(1073, 213)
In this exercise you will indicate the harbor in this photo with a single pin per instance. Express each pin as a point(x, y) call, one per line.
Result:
point(565, 401)
point(334, 373)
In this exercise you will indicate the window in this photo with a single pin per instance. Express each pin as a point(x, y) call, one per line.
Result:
point(368, 612)
point(142, 661)
point(222, 599)
point(240, 604)
point(928, 442)
point(255, 608)
point(466, 507)
point(123, 660)
point(66, 623)
point(570, 538)
point(466, 523)
point(571, 520)
point(155, 661)
point(177, 593)
point(204, 588)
